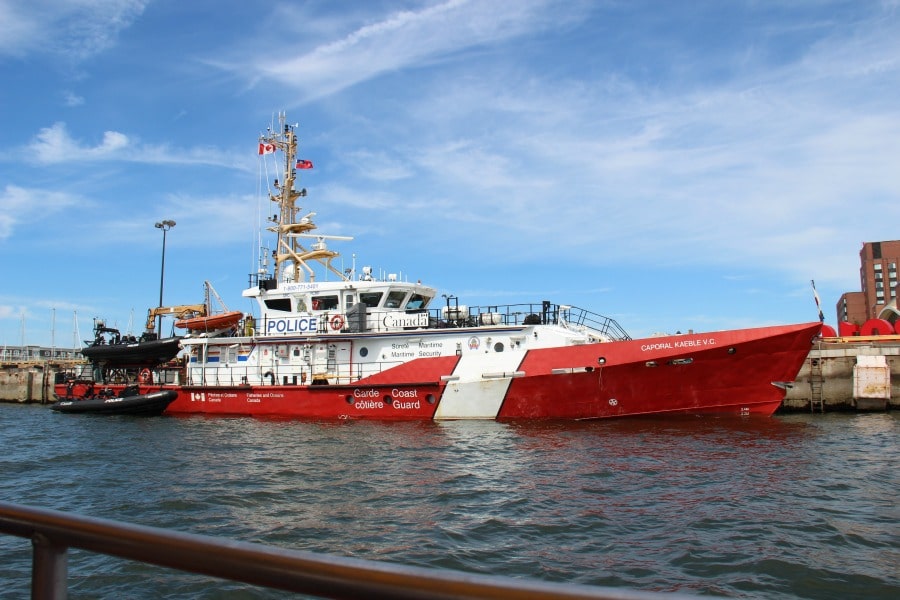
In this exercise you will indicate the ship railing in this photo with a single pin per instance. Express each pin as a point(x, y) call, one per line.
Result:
point(53, 533)
point(83, 371)
point(278, 375)
point(214, 376)
point(543, 313)
point(578, 317)
point(168, 373)
point(379, 320)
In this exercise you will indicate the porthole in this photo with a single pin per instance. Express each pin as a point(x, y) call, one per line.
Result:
point(363, 351)
point(429, 398)
point(601, 360)
point(732, 350)
point(681, 361)
point(388, 400)
point(349, 399)
point(498, 347)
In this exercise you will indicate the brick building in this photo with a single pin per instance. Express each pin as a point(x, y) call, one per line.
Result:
point(878, 281)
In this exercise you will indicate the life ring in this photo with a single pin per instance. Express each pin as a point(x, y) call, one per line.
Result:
point(337, 322)
point(145, 376)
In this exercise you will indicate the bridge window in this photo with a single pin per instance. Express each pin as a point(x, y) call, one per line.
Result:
point(371, 299)
point(324, 302)
point(394, 299)
point(417, 301)
point(280, 304)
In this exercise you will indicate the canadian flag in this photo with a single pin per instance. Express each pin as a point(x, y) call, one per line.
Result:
point(266, 148)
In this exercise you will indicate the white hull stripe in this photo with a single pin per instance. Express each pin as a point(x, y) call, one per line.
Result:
point(478, 385)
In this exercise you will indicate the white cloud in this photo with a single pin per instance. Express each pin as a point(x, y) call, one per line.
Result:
point(584, 135)
point(767, 163)
point(377, 165)
point(20, 30)
point(770, 167)
point(22, 205)
point(71, 99)
point(72, 29)
point(400, 40)
point(54, 145)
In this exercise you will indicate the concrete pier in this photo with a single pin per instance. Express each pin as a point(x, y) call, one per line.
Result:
point(847, 376)
point(30, 381)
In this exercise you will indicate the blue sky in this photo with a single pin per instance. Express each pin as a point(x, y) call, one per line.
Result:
point(674, 165)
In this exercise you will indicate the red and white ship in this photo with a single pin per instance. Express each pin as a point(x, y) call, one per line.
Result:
point(364, 344)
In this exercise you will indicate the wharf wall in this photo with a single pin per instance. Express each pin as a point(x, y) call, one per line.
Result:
point(847, 376)
point(30, 381)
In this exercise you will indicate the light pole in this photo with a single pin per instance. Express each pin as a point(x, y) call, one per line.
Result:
point(165, 226)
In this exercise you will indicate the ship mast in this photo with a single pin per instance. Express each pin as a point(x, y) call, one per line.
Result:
point(291, 257)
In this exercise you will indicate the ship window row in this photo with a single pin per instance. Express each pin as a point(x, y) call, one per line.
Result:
point(395, 299)
point(8, 352)
point(329, 302)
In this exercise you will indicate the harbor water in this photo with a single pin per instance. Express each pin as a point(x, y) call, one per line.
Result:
point(794, 506)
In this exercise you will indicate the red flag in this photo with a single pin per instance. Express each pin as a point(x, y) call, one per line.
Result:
point(304, 164)
point(266, 148)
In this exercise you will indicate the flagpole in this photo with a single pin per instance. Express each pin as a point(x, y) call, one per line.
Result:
point(818, 304)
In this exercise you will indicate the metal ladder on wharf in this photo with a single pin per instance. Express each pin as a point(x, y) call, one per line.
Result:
point(816, 386)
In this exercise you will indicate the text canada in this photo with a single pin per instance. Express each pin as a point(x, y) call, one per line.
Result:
point(393, 320)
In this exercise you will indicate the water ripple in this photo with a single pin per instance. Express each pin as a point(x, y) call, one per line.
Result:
point(790, 507)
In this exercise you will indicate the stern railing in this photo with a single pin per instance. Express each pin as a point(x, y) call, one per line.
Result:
point(52, 533)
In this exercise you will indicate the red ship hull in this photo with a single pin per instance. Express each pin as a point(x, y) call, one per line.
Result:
point(741, 372)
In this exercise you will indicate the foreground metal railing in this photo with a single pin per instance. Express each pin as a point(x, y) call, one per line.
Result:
point(53, 532)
